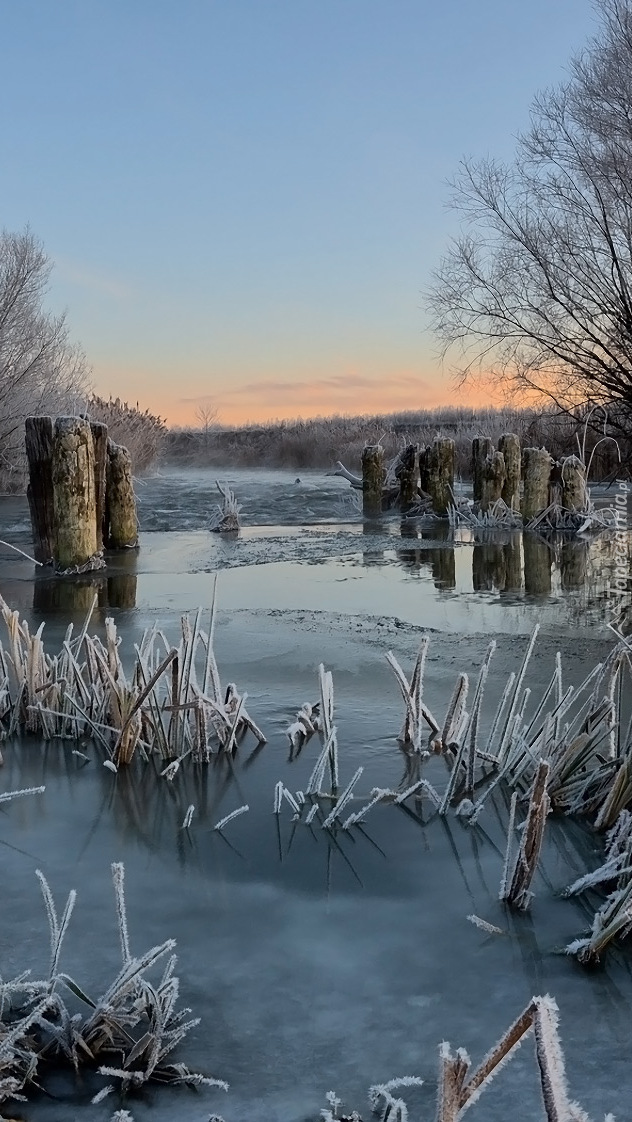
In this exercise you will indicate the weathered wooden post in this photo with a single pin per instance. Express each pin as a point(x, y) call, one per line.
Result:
point(100, 442)
point(556, 486)
point(406, 474)
point(492, 479)
point(373, 475)
point(482, 447)
point(39, 451)
point(509, 445)
point(121, 519)
point(536, 473)
point(574, 489)
point(424, 470)
point(537, 566)
point(74, 499)
point(440, 467)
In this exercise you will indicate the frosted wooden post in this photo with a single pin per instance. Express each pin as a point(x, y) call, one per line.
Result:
point(373, 475)
point(509, 445)
point(100, 442)
point(574, 491)
point(39, 451)
point(492, 479)
point(482, 447)
point(120, 499)
point(74, 499)
point(440, 466)
point(406, 473)
point(536, 471)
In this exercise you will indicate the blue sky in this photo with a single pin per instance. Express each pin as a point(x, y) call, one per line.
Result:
point(245, 199)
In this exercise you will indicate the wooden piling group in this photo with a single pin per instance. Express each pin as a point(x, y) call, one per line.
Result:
point(80, 493)
point(527, 481)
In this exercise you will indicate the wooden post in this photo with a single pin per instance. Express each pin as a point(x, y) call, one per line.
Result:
point(424, 470)
point(100, 441)
point(440, 466)
point(74, 499)
point(121, 516)
point(574, 491)
point(509, 445)
point(556, 487)
point(536, 472)
point(406, 473)
point(482, 447)
point(39, 450)
point(492, 479)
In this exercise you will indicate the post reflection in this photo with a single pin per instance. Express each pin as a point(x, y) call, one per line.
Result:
point(574, 564)
point(373, 527)
point(115, 588)
point(537, 566)
point(509, 563)
point(488, 567)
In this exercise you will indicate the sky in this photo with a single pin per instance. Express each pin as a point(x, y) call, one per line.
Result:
point(245, 199)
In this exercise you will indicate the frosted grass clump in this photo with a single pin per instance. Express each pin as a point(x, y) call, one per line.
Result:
point(172, 703)
point(135, 1022)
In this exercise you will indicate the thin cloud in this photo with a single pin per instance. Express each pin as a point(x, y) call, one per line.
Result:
point(93, 280)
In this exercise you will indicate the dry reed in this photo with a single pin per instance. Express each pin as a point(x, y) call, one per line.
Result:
point(126, 1035)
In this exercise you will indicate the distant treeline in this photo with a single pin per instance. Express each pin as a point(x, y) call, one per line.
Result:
point(319, 442)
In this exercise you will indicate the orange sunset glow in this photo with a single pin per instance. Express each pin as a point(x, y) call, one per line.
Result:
point(348, 393)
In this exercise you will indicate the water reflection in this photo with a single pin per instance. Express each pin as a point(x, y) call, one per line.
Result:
point(537, 566)
point(488, 567)
point(114, 587)
point(510, 563)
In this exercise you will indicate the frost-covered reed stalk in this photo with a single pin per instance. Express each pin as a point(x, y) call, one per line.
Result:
point(614, 917)
point(307, 722)
point(229, 817)
point(225, 519)
point(516, 889)
point(458, 1089)
point(417, 712)
point(460, 1086)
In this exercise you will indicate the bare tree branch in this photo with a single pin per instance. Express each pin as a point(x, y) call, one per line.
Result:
point(536, 293)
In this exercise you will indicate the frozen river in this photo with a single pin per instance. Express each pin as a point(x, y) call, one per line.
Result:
point(315, 962)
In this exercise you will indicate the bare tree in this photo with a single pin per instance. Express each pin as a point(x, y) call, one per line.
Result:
point(537, 292)
point(41, 371)
point(206, 416)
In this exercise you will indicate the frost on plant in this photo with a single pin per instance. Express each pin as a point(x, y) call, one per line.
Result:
point(128, 1033)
